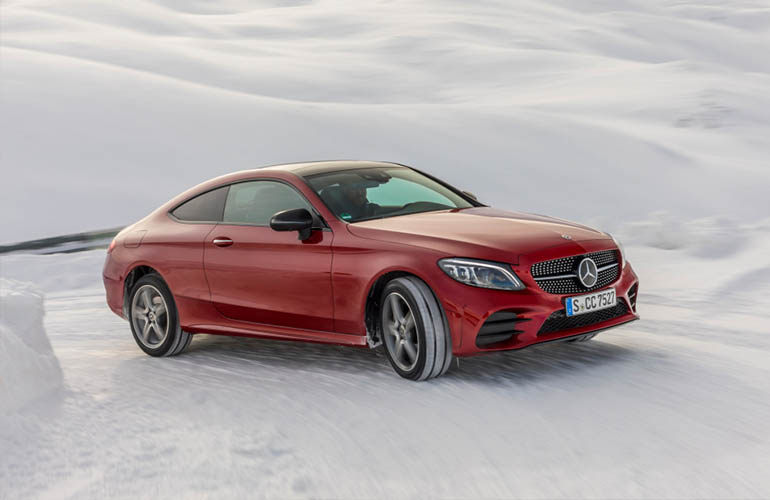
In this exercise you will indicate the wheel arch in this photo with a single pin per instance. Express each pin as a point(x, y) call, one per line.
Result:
point(136, 272)
point(372, 305)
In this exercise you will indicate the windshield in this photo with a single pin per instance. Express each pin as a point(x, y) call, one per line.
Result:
point(379, 192)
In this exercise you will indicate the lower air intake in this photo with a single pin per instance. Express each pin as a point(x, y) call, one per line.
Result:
point(559, 320)
point(632, 296)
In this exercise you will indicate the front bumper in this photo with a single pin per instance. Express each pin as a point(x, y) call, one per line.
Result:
point(468, 312)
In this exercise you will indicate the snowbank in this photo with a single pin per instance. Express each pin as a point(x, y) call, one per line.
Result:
point(712, 237)
point(28, 366)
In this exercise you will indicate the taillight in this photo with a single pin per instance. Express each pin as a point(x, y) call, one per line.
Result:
point(112, 246)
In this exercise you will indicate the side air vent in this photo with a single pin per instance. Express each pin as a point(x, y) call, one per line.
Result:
point(499, 327)
point(632, 296)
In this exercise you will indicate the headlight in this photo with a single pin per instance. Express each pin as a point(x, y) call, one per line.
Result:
point(622, 251)
point(482, 273)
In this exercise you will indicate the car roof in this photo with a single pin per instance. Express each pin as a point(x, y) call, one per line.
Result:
point(301, 170)
point(319, 167)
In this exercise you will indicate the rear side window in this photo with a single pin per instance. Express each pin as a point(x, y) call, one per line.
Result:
point(255, 202)
point(207, 207)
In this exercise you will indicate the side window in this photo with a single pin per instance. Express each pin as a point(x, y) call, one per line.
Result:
point(255, 202)
point(207, 207)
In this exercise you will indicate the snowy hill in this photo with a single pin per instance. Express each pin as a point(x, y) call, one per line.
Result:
point(601, 112)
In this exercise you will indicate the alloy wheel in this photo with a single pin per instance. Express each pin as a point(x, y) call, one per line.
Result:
point(149, 314)
point(400, 332)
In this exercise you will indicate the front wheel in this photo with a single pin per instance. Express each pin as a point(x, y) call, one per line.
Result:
point(414, 330)
point(154, 320)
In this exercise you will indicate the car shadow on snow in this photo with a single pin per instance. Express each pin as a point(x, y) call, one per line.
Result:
point(546, 361)
point(562, 359)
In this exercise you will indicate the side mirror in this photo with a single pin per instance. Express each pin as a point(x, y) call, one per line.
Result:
point(470, 195)
point(297, 219)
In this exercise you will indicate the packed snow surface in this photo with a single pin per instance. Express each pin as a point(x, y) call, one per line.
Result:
point(675, 405)
point(28, 367)
point(108, 109)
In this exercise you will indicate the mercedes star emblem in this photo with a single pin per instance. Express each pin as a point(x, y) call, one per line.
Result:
point(588, 273)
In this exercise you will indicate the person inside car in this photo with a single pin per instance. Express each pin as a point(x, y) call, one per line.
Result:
point(357, 204)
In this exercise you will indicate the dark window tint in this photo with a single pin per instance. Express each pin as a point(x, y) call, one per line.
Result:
point(255, 202)
point(207, 207)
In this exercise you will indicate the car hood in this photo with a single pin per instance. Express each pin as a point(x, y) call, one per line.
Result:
point(479, 232)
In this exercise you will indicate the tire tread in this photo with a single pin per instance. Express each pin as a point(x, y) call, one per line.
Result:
point(438, 349)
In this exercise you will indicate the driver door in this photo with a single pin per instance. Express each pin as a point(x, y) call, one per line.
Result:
point(259, 275)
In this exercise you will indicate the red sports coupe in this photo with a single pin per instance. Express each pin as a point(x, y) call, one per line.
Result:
point(362, 254)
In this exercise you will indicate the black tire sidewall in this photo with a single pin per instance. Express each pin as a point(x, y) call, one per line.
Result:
point(414, 373)
point(173, 318)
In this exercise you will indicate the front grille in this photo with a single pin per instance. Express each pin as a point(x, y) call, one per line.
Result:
point(544, 272)
point(559, 320)
point(499, 327)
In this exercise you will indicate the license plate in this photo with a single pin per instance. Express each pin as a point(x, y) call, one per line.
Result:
point(592, 302)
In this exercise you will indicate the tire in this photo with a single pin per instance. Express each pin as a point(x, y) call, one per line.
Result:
point(156, 329)
point(410, 315)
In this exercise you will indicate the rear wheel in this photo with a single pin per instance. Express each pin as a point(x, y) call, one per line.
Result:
point(154, 320)
point(414, 330)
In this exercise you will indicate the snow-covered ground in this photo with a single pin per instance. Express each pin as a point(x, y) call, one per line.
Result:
point(675, 405)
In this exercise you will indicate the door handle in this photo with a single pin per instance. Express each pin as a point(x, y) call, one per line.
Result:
point(222, 242)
